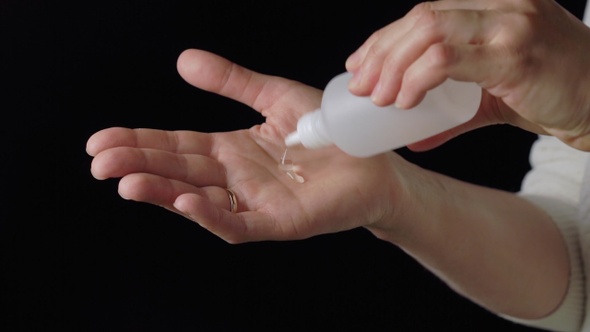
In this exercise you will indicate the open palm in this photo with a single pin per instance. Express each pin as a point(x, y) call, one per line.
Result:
point(187, 172)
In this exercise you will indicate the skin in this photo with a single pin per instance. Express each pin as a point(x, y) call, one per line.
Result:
point(491, 246)
point(529, 56)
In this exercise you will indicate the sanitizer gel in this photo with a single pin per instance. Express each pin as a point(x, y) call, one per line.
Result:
point(360, 128)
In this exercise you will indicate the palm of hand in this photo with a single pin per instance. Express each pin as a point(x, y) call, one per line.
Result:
point(186, 172)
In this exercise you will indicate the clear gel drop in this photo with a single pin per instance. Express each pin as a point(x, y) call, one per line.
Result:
point(287, 166)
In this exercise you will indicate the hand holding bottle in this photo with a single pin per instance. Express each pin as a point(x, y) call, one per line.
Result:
point(530, 57)
point(362, 129)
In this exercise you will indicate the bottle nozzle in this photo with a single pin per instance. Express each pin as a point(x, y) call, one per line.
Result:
point(292, 139)
point(310, 132)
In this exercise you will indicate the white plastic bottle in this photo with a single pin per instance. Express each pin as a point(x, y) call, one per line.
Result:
point(362, 129)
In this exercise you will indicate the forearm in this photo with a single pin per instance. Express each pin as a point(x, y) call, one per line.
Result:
point(493, 247)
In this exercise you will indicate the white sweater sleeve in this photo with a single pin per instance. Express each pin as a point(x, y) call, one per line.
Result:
point(587, 14)
point(554, 184)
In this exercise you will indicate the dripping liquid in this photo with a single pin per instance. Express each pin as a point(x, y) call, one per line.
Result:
point(287, 166)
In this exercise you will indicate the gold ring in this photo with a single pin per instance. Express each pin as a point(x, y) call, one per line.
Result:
point(233, 201)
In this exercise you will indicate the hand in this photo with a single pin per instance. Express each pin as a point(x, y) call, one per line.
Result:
point(187, 172)
point(449, 226)
point(530, 57)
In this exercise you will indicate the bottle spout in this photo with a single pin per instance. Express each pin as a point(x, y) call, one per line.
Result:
point(292, 139)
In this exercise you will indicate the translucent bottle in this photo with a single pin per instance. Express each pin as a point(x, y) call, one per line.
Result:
point(362, 129)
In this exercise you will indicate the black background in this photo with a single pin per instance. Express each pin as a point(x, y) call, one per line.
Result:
point(75, 256)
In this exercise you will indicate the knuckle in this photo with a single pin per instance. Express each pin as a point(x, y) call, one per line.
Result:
point(376, 50)
point(431, 23)
point(440, 56)
point(425, 15)
point(526, 5)
point(421, 8)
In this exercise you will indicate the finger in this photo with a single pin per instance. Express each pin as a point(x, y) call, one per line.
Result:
point(173, 141)
point(398, 28)
point(380, 62)
point(463, 4)
point(482, 64)
point(194, 169)
point(229, 226)
point(216, 74)
point(365, 62)
point(385, 36)
point(246, 226)
point(163, 192)
point(434, 42)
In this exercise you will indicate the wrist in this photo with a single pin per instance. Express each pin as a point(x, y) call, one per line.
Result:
point(410, 199)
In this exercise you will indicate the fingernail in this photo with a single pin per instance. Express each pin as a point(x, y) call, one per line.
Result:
point(376, 93)
point(354, 80)
point(399, 101)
